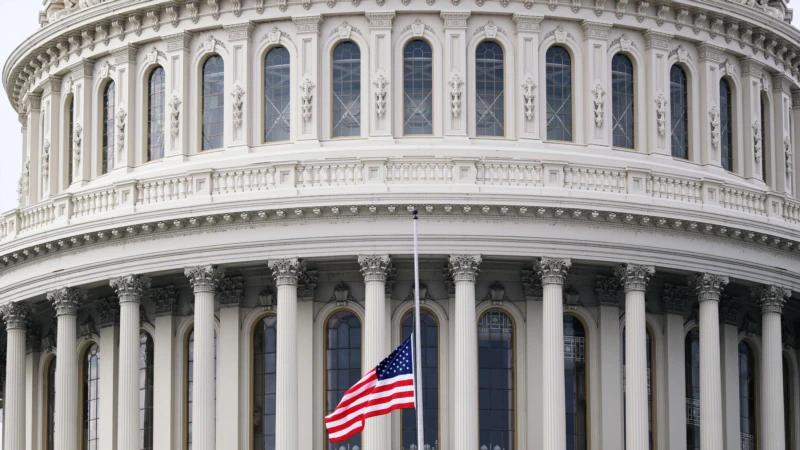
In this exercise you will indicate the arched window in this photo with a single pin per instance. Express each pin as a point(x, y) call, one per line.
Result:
point(497, 416)
point(429, 336)
point(726, 124)
point(748, 397)
point(50, 424)
point(109, 95)
point(577, 383)
point(489, 93)
point(264, 364)
point(70, 135)
point(342, 365)
point(190, 383)
point(346, 90)
point(650, 388)
point(213, 103)
point(788, 394)
point(91, 397)
point(558, 85)
point(155, 114)
point(417, 88)
point(691, 349)
point(622, 101)
point(145, 391)
point(765, 148)
point(679, 111)
point(277, 95)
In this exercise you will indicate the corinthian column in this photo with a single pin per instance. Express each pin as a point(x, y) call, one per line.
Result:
point(634, 279)
point(465, 371)
point(553, 272)
point(15, 316)
point(66, 301)
point(129, 291)
point(708, 288)
point(374, 267)
point(286, 273)
point(204, 280)
point(772, 299)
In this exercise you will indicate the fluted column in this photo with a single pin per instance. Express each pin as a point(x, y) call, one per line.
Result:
point(373, 267)
point(464, 269)
point(708, 288)
point(554, 429)
point(772, 299)
point(204, 280)
point(286, 273)
point(66, 301)
point(15, 316)
point(129, 291)
point(634, 279)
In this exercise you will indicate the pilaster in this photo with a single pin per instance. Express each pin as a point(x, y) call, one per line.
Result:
point(657, 47)
point(709, 113)
point(675, 299)
point(125, 115)
point(729, 353)
point(795, 146)
point(527, 41)
point(164, 365)
point(240, 38)
point(229, 361)
point(780, 160)
point(32, 169)
point(597, 125)
point(80, 85)
point(455, 72)
point(52, 147)
point(751, 154)
point(177, 94)
point(307, 109)
point(109, 396)
point(381, 104)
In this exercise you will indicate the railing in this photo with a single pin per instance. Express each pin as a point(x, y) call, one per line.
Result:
point(37, 216)
point(745, 200)
point(598, 180)
point(671, 188)
point(93, 203)
point(692, 412)
point(160, 191)
point(398, 172)
point(515, 174)
point(748, 441)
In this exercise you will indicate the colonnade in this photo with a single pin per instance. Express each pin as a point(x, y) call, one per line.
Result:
point(464, 270)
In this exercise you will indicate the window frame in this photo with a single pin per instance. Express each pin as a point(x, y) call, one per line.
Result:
point(263, 97)
point(731, 108)
point(86, 348)
point(474, 93)
point(151, 370)
point(361, 79)
point(147, 95)
point(402, 89)
point(252, 355)
point(688, 114)
point(104, 121)
point(513, 369)
point(200, 107)
point(587, 360)
point(756, 390)
point(634, 95)
point(571, 88)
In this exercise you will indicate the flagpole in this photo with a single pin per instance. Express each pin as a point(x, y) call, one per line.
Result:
point(418, 342)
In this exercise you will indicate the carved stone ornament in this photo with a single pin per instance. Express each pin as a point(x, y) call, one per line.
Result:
point(130, 288)
point(634, 277)
point(607, 290)
point(231, 291)
point(497, 293)
point(374, 267)
point(165, 300)
point(87, 328)
point(341, 294)
point(757, 141)
point(306, 89)
point(120, 123)
point(714, 123)
point(708, 286)
point(15, 315)
point(675, 298)
point(33, 339)
point(286, 271)
point(455, 94)
point(449, 283)
point(76, 143)
point(380, 84)
point(66, 300)
point(787, 149)
point(661, 114)
point(529, 96)
point(788, 337)
point(532, 284)
point(749, 325)
point(45, 160)
point(771, 298)
point(204, 278)
point(424, 293)
point(307, 284)
point(108, 309)
point(465, 267)
point(598, 94)
point(729, 309)
point(552, 270)
point(238, 103)
point(175, 115)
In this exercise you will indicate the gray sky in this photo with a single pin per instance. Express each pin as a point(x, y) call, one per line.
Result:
point(19, 20)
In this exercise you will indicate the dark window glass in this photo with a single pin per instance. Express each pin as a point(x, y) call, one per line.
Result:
point(747, 397)
point(342, 365)
point(576, 384)
point(496, 381)
point(726, 124)
point(190, 383)
point(213, 103)
point(91, 397)
point(155, 115)
point(679, 101)
point(417, 88)
point(145, 391)
point(70, 136)
point(264, 363)
point(346, 90)
point(559, 94)
point(51, 406)
point(489, 92)
point(764, 141)
point(109, 95)
point(788, 392)
point(649, 356)
point(277, 101)
point(622, 101)
point(691, 349)
point(429, 335)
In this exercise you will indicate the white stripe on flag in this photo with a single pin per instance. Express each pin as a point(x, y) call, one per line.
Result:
point(360, 410)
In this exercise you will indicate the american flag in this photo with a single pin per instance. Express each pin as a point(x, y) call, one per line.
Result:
point(385, 388)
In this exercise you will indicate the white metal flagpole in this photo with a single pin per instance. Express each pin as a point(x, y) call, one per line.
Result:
point(418, 342)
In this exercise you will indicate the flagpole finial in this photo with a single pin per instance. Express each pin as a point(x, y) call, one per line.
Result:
point(415, 212)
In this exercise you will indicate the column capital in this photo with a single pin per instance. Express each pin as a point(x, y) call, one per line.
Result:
point(771, 298)
point(166, 300)
point(552, 270)
point(380, 19)
point(287, 271)
point(66, 300)
point(750, 66)
point(527, 22)
point(657, 39)
point(455, 19)
point(240, 31)
point(15, 315)
point(204, 278)
point(308, 24)
point(178, 41)
point(126, 54)
point(708, 286)
point(130, 288)
point(231, 291)
point(82, 69)
point(634, 277)
point(375, 267)
point(709, 52)
point(465, 267)
point(595, 30)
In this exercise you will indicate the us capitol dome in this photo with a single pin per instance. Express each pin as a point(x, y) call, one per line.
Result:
point(214, 241)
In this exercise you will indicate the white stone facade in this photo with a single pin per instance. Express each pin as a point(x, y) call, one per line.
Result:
point(189, 222)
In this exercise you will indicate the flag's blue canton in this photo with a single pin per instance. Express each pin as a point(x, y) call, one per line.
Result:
point(398, 363)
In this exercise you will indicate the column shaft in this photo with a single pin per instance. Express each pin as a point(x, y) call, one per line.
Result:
point(636, 413)
point(128, 389)
point(555, 425)
point(204, 390)
point(465, 373)
point(66, 426)
point(376, 430)
point(14, 404)
point(286, 371)
point(710, 378)
point(772, 299)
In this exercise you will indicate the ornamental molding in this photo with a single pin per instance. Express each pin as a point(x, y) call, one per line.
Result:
point(625, 43)
point(455, 94)
point(210, 45)
point(527, 23)
point(306, 89)
point(204, 278)
point(374, 267)
point(795, 98)
point(489, 30)
point(708, 286)
point(240, 31)
point(608, 290)
point(552, 270)
point(87, 328)
point(152, 56)
point(598, 97)
point(789, 154)
point(238, 104)
point(267, 299)
point(45, 160)
point(750, 66)
point(771, 298)
point(130, 288)
point(656, 39)
point(119, 123)
point(165, 300)
point(66, 300)
point(532, 284)
point(726, 68)
point(341, 294)
point(681, 53)
point(286, 271)
point(634, 277)
point(675, 298)
point(15, 315)
point(595, 30)
point(709, 52)
point(560, 35)
point(529, 96)
point(344, 30)
point(661, 114)
point(757, 141)
point(464, 267)
point(380, 84)
point(424, 293)
point(307, 284)
point(714, 124)
point(230, 291)
point(275, 36)
point(178, 41)
point(126, 55)
point(417, 28)
point(307, 24)
point(454, 19)
point(496, 293)
point(380, 20)
point(175, 115)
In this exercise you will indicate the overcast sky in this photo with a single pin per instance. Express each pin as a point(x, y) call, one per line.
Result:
point(19, 20)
